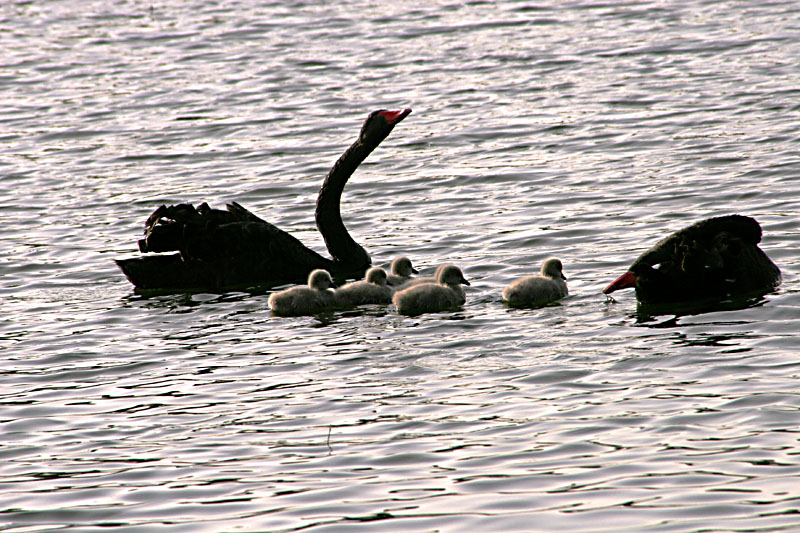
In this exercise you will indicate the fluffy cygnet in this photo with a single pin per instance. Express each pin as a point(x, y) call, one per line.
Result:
point(401, 271)
point(371, 290)
point(316, 297)
point(419, 281)
point(540, 289)
point(447, 293)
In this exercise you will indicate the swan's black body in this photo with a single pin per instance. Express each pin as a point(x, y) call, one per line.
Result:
point(712, 260)
point(233, 248)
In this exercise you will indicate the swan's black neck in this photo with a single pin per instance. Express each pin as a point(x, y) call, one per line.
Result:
point(345, 251)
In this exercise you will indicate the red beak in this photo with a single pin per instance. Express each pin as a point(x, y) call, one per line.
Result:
point(628, 279)
point(393, 117)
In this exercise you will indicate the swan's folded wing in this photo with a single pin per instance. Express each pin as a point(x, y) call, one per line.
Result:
point(168, 227)
point(243, 214)
point(240, 244)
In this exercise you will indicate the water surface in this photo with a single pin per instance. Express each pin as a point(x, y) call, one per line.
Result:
point(583, 130)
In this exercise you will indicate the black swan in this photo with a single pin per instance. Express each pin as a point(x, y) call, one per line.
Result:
point(305, 300)
point(445, 294)
point(538, 289)
point(370, 290)
point(235, 248)
point(711, 260)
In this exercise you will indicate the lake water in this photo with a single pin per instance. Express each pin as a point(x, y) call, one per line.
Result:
point(585, 130)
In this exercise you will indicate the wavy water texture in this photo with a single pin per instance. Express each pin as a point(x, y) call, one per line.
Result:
point(582, 130)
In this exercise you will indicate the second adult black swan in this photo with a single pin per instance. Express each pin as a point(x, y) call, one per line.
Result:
point(233, 248)
point(712, 260)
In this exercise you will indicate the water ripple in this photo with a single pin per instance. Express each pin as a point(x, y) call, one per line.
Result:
point(582, 130)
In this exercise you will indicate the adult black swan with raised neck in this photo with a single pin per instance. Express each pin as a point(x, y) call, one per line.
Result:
point(233, 248)
point(712, 260)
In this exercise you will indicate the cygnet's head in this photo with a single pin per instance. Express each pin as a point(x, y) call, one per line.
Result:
point(376, 275)
point(319, 279)
point(401, 266)
point(552, 267)
point(450, 275)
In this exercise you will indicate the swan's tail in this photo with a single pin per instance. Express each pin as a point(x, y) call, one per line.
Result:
point(166, 272)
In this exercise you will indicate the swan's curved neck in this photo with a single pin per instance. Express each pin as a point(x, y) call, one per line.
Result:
point(340, 244)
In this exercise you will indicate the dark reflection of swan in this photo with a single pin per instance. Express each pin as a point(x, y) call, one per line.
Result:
point(710, 262)
point(650, 315)
point(235, 248)
point(728, 342)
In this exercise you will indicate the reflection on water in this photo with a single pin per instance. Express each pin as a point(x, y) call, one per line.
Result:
point(729, 341)
point(647, 314)
point(579, 130)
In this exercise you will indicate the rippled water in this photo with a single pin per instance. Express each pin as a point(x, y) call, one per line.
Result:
point(579, 129)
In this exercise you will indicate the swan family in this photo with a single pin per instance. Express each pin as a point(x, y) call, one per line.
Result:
point(711, 260)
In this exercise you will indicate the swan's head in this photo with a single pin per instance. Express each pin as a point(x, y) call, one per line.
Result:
point(402, 266)
point(376, 275)
point(450, 275)
point(319, 280)
point(552, 268)
point(379, 123)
